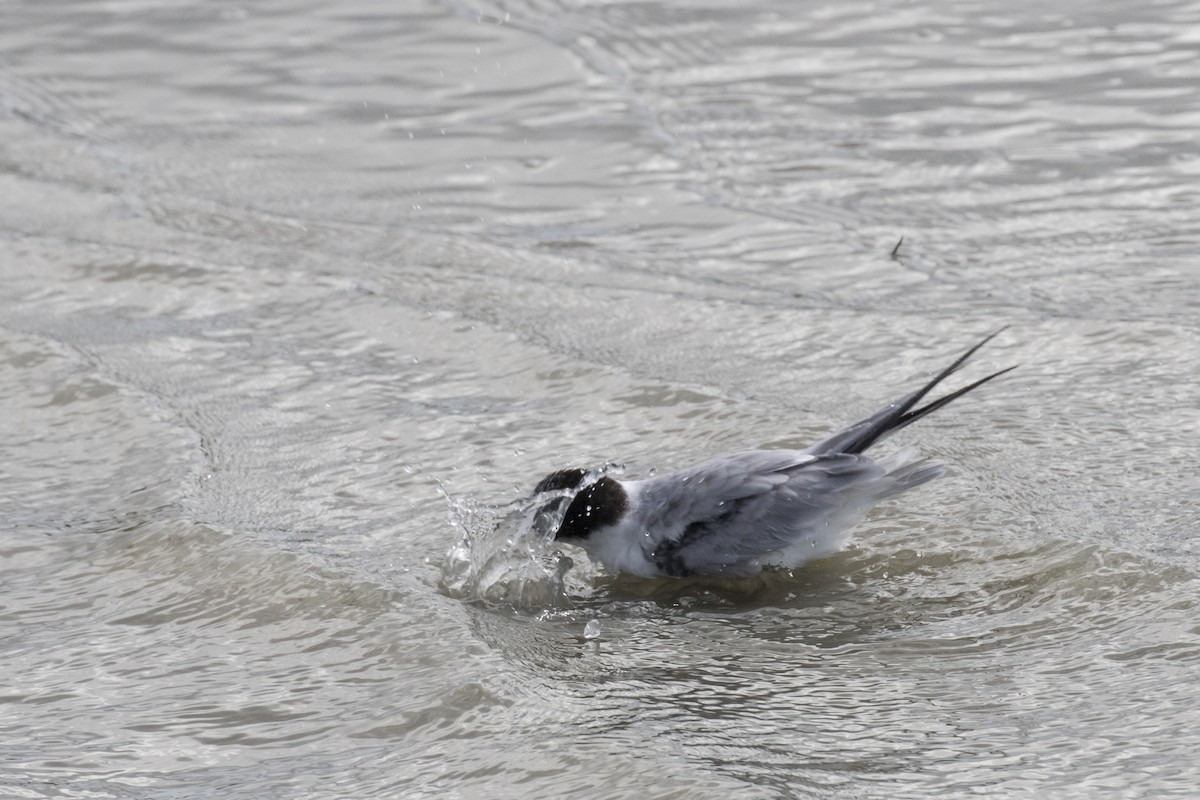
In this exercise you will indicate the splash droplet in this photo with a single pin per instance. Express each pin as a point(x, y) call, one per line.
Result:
point(592, 629)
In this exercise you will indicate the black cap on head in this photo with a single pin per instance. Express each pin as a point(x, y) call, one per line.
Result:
point(563, 479)
point(597, 505)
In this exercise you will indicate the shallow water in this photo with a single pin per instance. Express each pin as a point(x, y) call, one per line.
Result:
point(285, 285)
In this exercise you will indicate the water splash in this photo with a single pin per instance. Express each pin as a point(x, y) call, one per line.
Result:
point(507, 556)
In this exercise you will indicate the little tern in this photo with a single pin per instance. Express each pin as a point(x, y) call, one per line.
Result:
point(740, 513)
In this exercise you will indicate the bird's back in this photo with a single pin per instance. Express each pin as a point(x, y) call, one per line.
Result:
point(738, 513)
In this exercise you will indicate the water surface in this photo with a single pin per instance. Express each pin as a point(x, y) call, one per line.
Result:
point(286, 284)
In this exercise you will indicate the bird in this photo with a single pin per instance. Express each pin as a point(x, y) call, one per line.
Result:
point(746, 512)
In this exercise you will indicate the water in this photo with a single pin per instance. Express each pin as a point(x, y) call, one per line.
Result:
point(277, 280)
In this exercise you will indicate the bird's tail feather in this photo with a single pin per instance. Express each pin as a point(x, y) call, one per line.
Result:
point(901, 413)
point(906, 469)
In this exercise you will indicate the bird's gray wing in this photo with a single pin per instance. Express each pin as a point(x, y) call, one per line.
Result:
point(742, 507)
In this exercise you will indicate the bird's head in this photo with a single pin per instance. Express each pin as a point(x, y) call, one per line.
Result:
point(591, 498)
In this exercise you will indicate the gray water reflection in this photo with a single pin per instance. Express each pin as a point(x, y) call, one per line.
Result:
point(277, 277)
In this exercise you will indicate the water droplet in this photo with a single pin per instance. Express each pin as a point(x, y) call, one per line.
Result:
point(592, 629)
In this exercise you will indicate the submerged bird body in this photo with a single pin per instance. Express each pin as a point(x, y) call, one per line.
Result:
point(740, 513)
